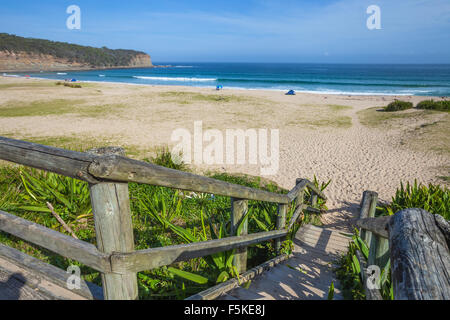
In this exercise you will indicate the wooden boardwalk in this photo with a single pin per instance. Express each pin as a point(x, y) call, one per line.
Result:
point(23, 277)
point(306, 275)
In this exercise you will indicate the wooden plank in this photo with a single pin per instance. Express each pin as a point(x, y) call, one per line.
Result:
point(65, 162)
point(368, 208)
point(382, 253)
point(52, 240)
point(157, 257)
point(337, 233)
point(295, 216)
point(280, 224)
point(371, 294)
point(218, 290)
point(378, 226)
point(118, 168)
point(51, 273)
point(420, 258)
point(300, 186)
point(239, 209)
point(114, 231)
point(297, 192)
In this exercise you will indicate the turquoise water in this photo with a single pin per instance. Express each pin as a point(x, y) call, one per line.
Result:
point(427, 80)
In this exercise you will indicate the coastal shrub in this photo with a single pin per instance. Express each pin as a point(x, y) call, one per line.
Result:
point(164, 158)
point(432, 198)
point(349, 272)
point(443, 105)
point(398, 105)
point(70, 85)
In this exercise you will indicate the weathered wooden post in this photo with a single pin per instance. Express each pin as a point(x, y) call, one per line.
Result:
point(281, 223)
point(420, 257)
point(313, 200)
point(239, 209)
point(368, 208)
point(114, 230)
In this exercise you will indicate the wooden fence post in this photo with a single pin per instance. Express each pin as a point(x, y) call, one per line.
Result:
point(281, 223)
point(299, 199)
point(368, 208)
point(114, 231)
point(420, 256)
point(239, 209)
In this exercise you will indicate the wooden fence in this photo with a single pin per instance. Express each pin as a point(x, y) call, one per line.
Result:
point(108, 173)
point(416, 244)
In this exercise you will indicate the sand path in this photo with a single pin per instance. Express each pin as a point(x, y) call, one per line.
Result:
point(355, 159)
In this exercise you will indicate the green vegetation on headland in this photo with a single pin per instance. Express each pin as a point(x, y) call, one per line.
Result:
point(95, 57)
point(161, 217)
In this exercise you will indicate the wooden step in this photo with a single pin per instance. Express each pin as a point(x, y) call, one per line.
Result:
point(308, 274)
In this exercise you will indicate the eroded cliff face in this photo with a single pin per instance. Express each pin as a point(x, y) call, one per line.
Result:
point(22, 61)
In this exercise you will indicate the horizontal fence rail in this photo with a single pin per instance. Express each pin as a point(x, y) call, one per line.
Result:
point(108, 173)
point(55, 241)
point(157, 257)
point(95, 168)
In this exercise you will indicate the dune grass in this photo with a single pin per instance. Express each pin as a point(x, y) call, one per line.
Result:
point(27, 85)
point(433, 136)
point(57, 107)
point(377, 117)
point(322, 116)
point(431, 133)
point(183, 97)
point(38, 108)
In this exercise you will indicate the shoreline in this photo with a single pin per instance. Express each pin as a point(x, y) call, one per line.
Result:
point(88, 69)
point(230, 89)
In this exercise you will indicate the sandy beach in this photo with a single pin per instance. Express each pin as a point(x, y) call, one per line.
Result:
point(338, 137)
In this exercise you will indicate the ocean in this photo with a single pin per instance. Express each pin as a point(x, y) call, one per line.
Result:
point(348, 79)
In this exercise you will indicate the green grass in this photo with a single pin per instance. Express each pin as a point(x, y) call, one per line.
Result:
point(21, 85)
point(39, 108)
point(57, 107)
point(376, 118)
point(336, 122)
point(322, 116)
point(192, 97)
point(336, 107)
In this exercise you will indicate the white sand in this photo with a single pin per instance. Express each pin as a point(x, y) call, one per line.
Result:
point(355, 158)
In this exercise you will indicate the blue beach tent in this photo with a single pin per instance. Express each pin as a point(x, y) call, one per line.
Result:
point(290, 93)
point(219, 87)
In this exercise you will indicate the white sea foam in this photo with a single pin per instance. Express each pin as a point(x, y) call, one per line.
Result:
point(61, 73)
point(176, 79)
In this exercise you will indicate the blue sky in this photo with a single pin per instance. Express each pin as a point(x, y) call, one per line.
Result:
point(413, 31)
